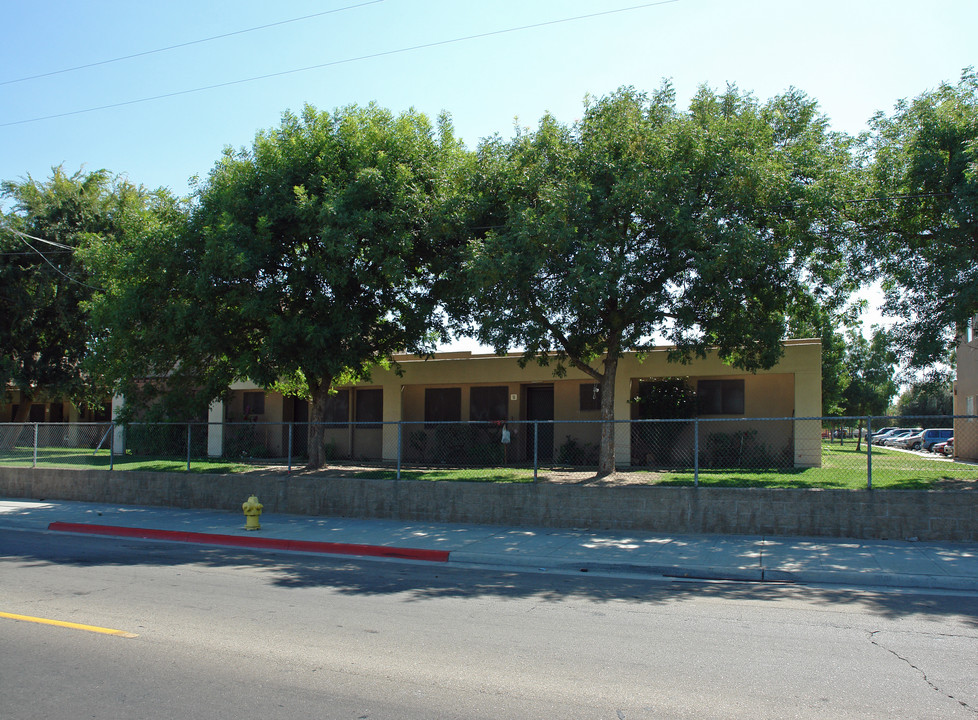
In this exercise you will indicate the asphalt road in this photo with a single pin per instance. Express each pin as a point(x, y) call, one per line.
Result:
point(229, 634)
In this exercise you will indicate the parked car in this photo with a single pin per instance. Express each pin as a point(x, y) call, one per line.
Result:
point(923, 439)
point(895, 439)
point(882, 431)
point(907, 440)
point(932, 436)
point(879, 437)
point(949, 448)
point(938, 447)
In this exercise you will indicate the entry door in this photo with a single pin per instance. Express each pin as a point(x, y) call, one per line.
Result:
point(300, 431)
point(540, 406)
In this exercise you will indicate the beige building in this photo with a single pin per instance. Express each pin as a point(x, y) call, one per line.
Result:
point(51, 410)
point(493, 393)
point(966, 394)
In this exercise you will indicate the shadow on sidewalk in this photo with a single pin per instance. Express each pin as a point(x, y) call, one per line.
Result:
point(420, 582)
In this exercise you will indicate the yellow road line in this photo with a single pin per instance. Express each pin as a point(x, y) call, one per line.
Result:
point(73, 626)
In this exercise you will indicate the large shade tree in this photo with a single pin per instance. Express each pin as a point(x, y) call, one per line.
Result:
point(309, 257)
point(45, 330)
point(870, 365)
point(640, 221)
point(920, 217)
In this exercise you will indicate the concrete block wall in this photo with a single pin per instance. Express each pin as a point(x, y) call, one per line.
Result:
point(950, 515)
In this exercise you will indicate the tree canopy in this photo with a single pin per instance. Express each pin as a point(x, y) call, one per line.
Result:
point(920, 222)
point(705, 228)
point(44, 284)
point(311, 256)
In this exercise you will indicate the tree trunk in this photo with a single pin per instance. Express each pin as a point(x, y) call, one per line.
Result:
point(319, 392)
point(606, 455)
point(859, 434)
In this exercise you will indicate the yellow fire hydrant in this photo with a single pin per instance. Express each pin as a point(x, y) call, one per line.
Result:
point(252, 510)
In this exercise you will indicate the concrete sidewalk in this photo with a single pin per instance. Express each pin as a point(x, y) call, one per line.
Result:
point(945, 566)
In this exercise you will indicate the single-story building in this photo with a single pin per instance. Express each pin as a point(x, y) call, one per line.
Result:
point(408, 412)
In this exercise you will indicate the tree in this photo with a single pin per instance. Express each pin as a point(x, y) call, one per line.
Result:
point(930, 396)
point(704, 228)
point(308, 258)
point(870, 365)
point(921, 229)
point(45, 331)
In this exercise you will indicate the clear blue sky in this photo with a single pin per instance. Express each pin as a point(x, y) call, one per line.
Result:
point(855, 57)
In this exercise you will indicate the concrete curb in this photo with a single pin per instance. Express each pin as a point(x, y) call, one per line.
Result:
point(759, 574)
point(881, 579)
point(542, 563)
point(254, 542)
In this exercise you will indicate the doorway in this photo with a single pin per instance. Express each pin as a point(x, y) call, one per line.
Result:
point(540, 406)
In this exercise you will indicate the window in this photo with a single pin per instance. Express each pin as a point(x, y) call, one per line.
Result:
point(487, 404)
point(370, 408)
point(442, 404)
point(720, 397)
point(338, 409)
point(254, 403)
point(590, 397)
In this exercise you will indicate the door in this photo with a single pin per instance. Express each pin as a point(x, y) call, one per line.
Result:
point(540, 406)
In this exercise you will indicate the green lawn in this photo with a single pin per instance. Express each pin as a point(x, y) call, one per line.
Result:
point(842, 468)
point(81, 459)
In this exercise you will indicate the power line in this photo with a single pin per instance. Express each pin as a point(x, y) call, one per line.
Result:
point(24, 236)
point(332, 63)
point(185, 44)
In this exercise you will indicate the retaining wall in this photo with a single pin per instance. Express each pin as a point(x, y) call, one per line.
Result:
point(950, 515)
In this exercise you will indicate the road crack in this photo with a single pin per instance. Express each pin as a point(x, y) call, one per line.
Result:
point(931, 684)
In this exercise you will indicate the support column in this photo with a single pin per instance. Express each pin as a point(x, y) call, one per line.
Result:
point(119, 441)
point(215, 429)
point(392, 413)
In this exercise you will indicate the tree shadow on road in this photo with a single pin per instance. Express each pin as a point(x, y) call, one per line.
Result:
point(420, 582)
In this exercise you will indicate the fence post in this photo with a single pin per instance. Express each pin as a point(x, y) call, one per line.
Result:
point(188, 446)
point(869, 452)
point(35, 446)
point(289, 472)
point(111, 445)
point(536, 443)
point(696, 452)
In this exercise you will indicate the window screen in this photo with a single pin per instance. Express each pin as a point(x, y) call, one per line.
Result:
point(720, 397)
point(254, 403)
point(590, 396)
point(370, 408)
point(442, 404)
point(338, 408)
point(487, 404)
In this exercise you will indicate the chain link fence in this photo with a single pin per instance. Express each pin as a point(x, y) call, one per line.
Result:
point(926, 452)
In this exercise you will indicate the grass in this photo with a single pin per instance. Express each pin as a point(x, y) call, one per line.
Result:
point(842, 468)
point(80, 459)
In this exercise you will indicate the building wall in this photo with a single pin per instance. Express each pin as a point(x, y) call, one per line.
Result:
point(56, 410)
point(966, 394)
point(791, 389)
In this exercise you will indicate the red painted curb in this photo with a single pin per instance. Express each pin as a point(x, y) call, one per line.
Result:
point(255, 542)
